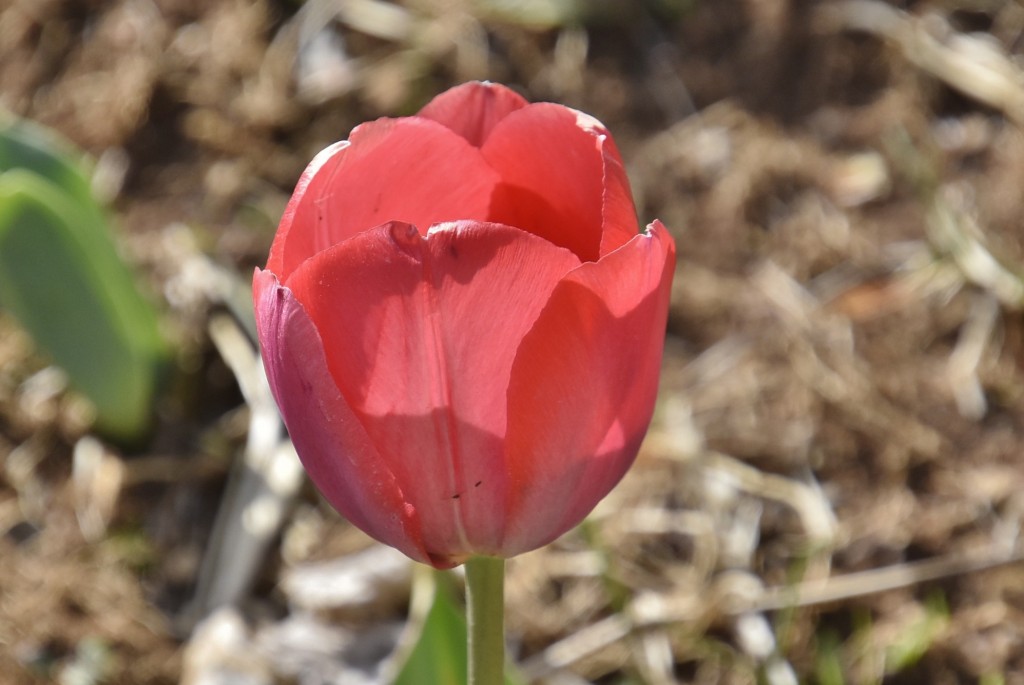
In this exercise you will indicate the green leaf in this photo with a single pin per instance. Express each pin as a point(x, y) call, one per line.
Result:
point(828, 667)
point(437, 635)
point(62, 279)
point(25, 145)
point(916, 639)
point(439, 655)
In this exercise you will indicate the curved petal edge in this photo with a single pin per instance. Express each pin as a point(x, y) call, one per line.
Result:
point(473, 109)
point(329, 438)
point(583, 387)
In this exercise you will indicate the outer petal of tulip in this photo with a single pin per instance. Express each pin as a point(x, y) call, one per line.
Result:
point(413, 170)
point(420, 336)
point(561, 178)
point(473, 109)
point(583, 387)
point(329, 438)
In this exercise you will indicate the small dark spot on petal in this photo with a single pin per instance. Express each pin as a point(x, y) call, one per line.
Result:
point(477, 484)
point(456, 496)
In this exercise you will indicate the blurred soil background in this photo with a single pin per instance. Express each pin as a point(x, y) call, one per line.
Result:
point(833, 486)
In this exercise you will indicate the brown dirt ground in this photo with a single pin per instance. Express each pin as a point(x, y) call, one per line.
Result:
point(844, 376)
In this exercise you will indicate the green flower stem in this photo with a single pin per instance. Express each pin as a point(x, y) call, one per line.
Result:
point(485, 609)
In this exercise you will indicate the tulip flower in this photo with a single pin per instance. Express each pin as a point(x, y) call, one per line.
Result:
point(463, 325)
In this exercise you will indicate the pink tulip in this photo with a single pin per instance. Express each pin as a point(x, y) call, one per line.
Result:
point(463, 325)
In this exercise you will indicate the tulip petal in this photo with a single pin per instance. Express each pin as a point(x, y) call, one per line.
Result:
point(562, 179)
point(420, 336)
point(413, 170)
point(618, 213)
point(311, 176)
point(335, 449)
point(583, 387)
point(473, 109)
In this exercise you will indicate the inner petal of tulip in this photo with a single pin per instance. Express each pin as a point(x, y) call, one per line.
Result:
point(527, 210)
